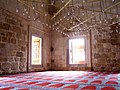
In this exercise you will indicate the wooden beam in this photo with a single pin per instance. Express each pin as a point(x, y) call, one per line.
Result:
point(63, 26)
point(61, 9)
point(84, 21)
point(36, 1)
point(98, 11)
point(84, 3)
point(68, 3)
point(77, 18)
point(94, 16)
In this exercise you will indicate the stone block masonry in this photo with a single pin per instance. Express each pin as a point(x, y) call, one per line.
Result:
point(13, 51)
point(14, 43)
point(105, 51)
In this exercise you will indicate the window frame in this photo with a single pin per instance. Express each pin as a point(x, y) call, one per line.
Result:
point(40, 50)
point(68, 61)
point(35, 33)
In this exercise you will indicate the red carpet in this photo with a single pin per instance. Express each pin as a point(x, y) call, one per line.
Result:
point(61, 80)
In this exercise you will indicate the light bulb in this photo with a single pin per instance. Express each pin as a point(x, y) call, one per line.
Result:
point(25, 9)
point(49, 26)
point(114, 10)
point(43, 23)
point(45, 14)
point(23, 13)
point(67, 18)
point(113, 22)
point(51, 3)
point(73, 23)
point(16, 9)
point(70, 21)
point(33, 7)
point(28, 16)
point(42, 5)
point(53, 28)
point(117, 16)
point(58, 22)
point(26, 12)
point(36, 13)
point(72, 10)
point(83, 14)
point(34, 18)
point(71, 17)
point(83, 0)
point(55, 23)
point(68, 13)
point(60, 19)
point(62, 1)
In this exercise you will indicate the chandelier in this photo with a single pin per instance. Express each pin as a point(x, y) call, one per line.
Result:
point(72, 16)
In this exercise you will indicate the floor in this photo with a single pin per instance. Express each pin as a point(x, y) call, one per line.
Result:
point(61, 80)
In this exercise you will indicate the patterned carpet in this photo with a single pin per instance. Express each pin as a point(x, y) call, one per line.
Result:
point(61, 80)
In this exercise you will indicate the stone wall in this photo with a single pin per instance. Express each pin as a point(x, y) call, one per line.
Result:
point(14, 43)
point(60, 51)
point(46, 54)
point(105, 50)
point(13, 53)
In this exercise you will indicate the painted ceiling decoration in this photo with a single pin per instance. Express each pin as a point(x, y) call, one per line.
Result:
point(70, 17)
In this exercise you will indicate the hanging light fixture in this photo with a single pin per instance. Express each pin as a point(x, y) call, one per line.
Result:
point(42, 5)
point(17, 7)
point(45, 14)
point(52, 2)
point(62, 1)
point(33, 12)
